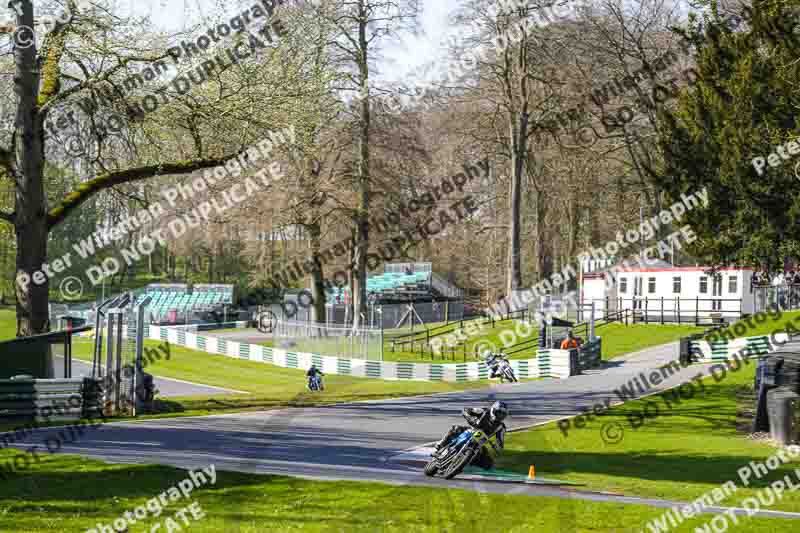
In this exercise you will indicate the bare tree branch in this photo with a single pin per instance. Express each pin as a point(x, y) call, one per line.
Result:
point(110, 179)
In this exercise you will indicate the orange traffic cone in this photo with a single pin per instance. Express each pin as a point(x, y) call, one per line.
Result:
point(531, 472)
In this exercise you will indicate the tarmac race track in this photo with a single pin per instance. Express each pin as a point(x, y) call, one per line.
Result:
point(165, 387)
point(363, 441)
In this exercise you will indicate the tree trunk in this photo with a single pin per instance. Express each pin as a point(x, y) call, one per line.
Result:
point(317, 275)
point(3, 269)
point(351, 280)
point(30, 221)
point(362, 216)
point(519, 133)
point(574, 221)
point(32, 298)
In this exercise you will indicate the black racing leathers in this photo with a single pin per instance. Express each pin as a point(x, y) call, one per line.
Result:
point(478, 419)
point(493, 363)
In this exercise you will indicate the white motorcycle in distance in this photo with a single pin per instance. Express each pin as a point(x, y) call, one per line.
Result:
point(503, 368)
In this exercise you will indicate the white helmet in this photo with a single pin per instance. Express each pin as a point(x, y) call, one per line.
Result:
point(498, 412)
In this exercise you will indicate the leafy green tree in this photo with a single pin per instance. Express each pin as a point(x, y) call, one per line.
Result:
point(744, 105)
point(87, 60)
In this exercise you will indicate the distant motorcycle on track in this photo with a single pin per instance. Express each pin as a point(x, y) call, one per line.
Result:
point(500, 367)
point(315, 383)
point(315, 379)
point(506, 371)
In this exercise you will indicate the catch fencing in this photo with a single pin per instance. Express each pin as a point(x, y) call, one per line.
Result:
point(389, 316)
point(119, 342)
point(339, 341)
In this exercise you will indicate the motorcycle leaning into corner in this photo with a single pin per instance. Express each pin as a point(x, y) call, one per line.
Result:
point(479, 444)
point(499, 366)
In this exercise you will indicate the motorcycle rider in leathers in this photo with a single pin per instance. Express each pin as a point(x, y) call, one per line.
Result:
point(487, 420)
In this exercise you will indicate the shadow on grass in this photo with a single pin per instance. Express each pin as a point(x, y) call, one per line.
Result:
point(70, 479)
point(161, 406)
point(646, 464)
point(668, 445)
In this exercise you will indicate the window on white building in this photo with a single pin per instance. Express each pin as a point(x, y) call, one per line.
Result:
point(651, 285)
point(703, 285)
point(676, 285)
point(732, 285)
point(623, 285)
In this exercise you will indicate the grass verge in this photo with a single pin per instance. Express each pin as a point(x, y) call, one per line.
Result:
point(269, 386)
point(684, 452)
point(619, 339)
point(773, 321)
point(70, 493)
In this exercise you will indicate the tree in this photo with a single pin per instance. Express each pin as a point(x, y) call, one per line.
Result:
point(636, 58)
point(743, 107)
point(363, 25)
point(84, 52)
point(515, 54)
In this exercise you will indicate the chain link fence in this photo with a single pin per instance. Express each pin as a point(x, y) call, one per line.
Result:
point(339, 341)
point(387, 316)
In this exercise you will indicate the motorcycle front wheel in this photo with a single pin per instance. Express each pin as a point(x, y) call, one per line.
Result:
point(458, 464)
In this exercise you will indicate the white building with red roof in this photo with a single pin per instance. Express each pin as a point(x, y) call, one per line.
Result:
point(663, 292)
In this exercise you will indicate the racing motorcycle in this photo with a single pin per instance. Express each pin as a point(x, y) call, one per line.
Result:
point(315, 383)
point(506, 371)
point(504, 367)
point(451, 460)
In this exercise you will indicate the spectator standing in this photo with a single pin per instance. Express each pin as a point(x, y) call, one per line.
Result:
point(570, 343)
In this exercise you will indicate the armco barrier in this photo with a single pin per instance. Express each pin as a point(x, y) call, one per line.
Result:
point(590, 354)
point(44, 400)
point(547, 364)
point(723, 350)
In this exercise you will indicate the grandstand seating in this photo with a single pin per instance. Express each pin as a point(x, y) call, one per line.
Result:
point(388, 284)
point(178, 298)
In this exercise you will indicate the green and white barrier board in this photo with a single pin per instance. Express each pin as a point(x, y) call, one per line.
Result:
point(547, 364)
point(747, 347)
